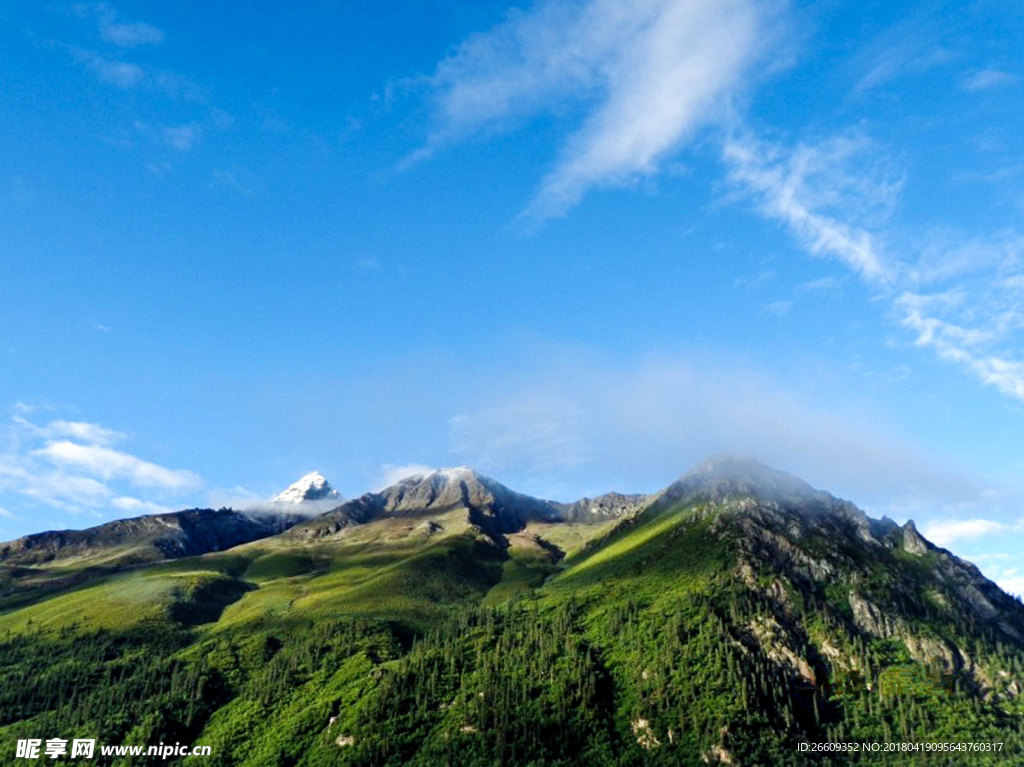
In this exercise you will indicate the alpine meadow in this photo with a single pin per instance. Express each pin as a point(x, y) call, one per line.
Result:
point(714, 310)
point(450, 620)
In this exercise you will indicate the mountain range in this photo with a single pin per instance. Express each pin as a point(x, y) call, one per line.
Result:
point(735, 617)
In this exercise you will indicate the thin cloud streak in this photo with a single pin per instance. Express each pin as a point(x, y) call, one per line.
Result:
point(975, 325)
point(650, 73)
point(646, 76)
point(987, 79)
point(131, 35)
point(784, 186)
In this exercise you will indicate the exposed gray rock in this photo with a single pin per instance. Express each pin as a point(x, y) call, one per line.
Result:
point(913, 543)
point(604, 507)
point(870, 618)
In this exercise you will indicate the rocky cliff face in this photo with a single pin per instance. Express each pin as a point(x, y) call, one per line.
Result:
point(867, 578)
point(602, 508)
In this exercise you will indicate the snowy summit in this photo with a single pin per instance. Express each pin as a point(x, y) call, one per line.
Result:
point(312, 487)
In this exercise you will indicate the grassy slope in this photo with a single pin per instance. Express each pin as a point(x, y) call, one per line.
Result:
point(651, 622)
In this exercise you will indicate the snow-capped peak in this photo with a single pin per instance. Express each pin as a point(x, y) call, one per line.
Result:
point(312, 487)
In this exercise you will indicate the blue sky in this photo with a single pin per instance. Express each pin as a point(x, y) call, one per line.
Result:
point(577, 245)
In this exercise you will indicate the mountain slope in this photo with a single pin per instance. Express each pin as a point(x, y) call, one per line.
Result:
point(142, 539)
point(731, 618)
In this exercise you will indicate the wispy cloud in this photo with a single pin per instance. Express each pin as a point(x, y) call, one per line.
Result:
point(649, 73)
point(122, 74)
point(800, 188)
point(181, 137)
point(778, 308)
point(123, 34)
point(178, 137)
point(909, 47)
point(1012, 585)
point(648, 420)
point(987, 79)
point(107, 463)
point(130, 35)
point(390, 473)
point(960, 297)
point(1000, 567)
point(823, 284)
point(534, 431)
point(127, 503)
point(971, 348)
point(90, 433)
point(644, 77)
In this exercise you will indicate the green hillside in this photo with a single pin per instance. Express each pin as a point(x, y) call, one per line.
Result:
point(722, 623)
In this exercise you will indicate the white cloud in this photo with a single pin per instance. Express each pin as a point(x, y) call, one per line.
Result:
point(127, 503)
point(650, 73)
point(1012, 585)
point(122, 74)
point(537, 431)
point(130, 35)
point(823, 284)
point(69, 465)
point(120, 33)
point(6, 514)
point(390, 473)
point(62, 490)
point(1002, 568)
point(989, 557)
point(986, 79)
point(640, 78)
point(107, 464)
point(912, 46)
point(181, 137)
point(90, 433)
point(964, 301)
point(778, 308)
point(641, 424)
point(945, 533)
point(834, 197)
point(964, 346)
point(235, 498)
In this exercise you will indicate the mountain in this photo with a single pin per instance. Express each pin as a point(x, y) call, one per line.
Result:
point(489, 505)
point(736, 617)
point(59, 558)
point(169, 535)
point(312, 487)
point(142, 539)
